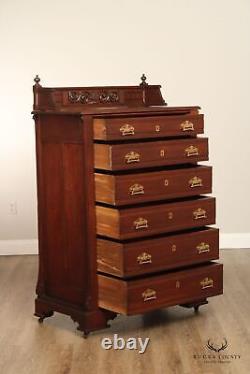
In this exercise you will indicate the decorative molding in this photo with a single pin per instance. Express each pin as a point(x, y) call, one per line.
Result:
point(30, 246)
point(93, 97)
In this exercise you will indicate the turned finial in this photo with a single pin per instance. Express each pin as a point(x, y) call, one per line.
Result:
point(143, 80)
point(37, 79)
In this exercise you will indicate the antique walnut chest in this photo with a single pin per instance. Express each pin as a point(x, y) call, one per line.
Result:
point(123, 219)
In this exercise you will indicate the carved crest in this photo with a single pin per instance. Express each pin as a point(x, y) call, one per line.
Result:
point(85, 97)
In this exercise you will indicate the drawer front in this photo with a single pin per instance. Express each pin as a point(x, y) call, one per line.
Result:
point(142, 295)
point(137, 222)
point(152, 255)
point(144, 187)
point(158, 153)
point(147, 127)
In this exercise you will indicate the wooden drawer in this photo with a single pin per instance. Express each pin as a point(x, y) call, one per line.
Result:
point(162, 253)
point(154, 292)
point(147, 127)
point(127, 223)
point(158, 185)
point(148, 154)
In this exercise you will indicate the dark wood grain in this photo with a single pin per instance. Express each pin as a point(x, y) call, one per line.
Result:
point(67, 282)
point(152, 186)
point(179, 287)
point(147, 127)
point(136, 222)
point(158, 153)
point(79, 97)
point(161, 253)
point(146, 184)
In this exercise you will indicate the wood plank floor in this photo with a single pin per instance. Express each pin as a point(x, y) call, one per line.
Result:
point(176, 334)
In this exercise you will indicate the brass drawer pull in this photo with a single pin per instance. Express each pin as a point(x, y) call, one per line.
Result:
point(195, 182)
point(136, 189)
point(127, 130)
point(207, 283)
point(140, 223)
point(203, 247)
point(199, 213)
point(187, 126)
point(192, 151)
point(132, 157)
point(144, 258)
point(149, 294)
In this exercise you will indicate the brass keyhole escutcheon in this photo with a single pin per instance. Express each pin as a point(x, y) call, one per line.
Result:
point(157, 128)
point(177, 284)
point(170, 215)
point(173, 248)
point(162, 152)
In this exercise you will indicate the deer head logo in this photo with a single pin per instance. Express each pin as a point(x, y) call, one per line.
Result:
point(217, 349)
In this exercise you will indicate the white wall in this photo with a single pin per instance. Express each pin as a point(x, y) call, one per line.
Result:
point(198, 50)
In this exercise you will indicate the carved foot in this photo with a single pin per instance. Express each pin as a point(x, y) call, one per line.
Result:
point(42, 310)
point(195, 304)
point(91, 321)
point(196, 308)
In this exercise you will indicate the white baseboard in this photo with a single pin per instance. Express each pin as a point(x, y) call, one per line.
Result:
point(18, 247)
point(239, 240)
point(30, 246)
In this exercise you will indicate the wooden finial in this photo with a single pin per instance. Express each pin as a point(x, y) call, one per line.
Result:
point(37, 80)
point(143, 80)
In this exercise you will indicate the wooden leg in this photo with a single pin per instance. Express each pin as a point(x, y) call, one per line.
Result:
point(195, 304)
point(85, 334)
point(88, 321)
point(92, 321)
